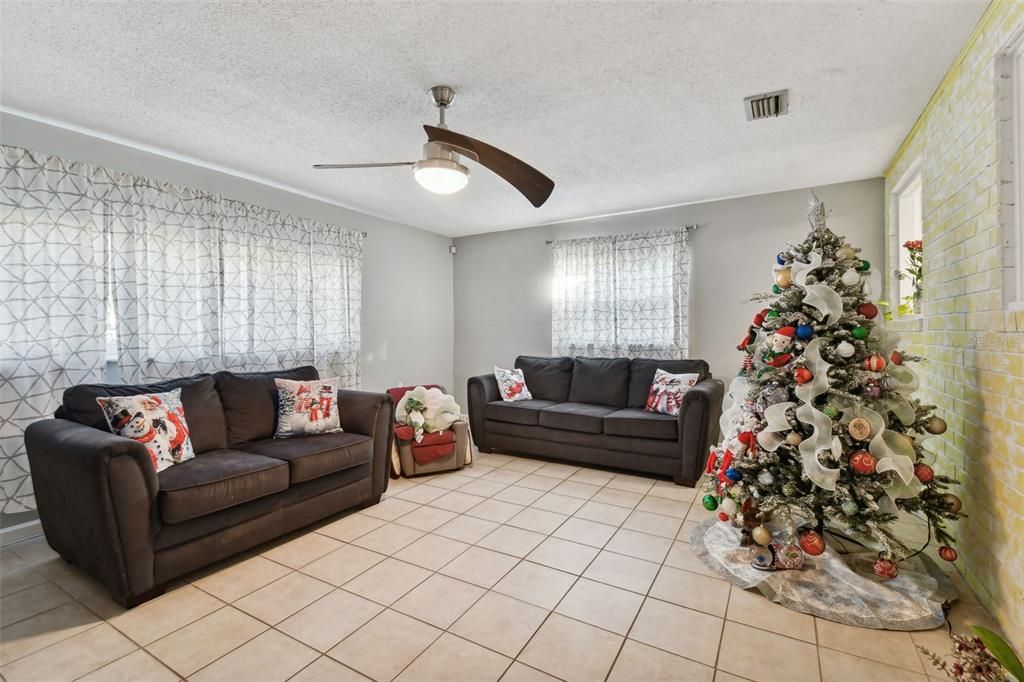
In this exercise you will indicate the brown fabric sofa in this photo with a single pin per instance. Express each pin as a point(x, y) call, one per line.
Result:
point(104, 508)
point(591, 411)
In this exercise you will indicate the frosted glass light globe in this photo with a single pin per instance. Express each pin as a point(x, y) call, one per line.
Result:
point(441, 176)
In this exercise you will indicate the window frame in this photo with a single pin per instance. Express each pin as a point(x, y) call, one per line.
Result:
point(912, 178)
point(1010, 115)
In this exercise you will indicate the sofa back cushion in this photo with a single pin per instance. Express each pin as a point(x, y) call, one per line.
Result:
point(546, 378)
point(250, 401)
point(599, 381)
point(199, 398)
point(641, 375)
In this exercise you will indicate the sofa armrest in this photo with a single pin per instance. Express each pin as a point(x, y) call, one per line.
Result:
point(95, 492)
point(373, 415)
point(481, 390)
point(698, 427)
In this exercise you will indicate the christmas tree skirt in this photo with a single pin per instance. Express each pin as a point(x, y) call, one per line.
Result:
point(834, 586)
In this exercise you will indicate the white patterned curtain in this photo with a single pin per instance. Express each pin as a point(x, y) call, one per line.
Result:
point(52, 312)
point(622, 296)
point(267, 296)
point(193, 283)
point(337, 289)
point(164, 273)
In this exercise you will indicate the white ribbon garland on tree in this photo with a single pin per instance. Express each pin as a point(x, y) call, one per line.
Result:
point(824, 298)
point(891, 450)
point(821, 439)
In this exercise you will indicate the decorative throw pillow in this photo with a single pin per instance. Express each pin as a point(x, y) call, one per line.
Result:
point(306, 408)
point(512, 384)
point(156, 420)
point(666, 396)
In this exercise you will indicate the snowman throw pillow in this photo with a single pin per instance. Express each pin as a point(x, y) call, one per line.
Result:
point(512, 384)
point(306, 408)
point(157, 420)
point(667, 390)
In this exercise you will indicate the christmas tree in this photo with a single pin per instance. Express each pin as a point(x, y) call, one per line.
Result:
point(824, 431)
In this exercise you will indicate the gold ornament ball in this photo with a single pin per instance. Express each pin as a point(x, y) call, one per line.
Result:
point(935, 425)
point(762, 536)
point(784, 278)
point(846, 252)
point(793, 438)
point(859, 428)
point(953, 503)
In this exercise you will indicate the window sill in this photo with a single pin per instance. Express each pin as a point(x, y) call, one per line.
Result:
point(906, 323)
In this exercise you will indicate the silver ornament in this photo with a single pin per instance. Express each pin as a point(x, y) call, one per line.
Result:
point(845, 349)
point(765, 477)
point(850, 277)
point(849, 507)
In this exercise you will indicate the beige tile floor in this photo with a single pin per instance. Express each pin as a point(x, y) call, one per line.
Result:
point(512, 569)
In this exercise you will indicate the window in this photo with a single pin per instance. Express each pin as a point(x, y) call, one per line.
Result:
point(907, 200)
point(622, 296)
point(1010, 100)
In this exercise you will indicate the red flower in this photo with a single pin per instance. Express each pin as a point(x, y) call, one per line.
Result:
point(913, 245)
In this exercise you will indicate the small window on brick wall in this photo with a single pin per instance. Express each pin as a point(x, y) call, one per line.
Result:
point(908, 263)
point(1010, 73)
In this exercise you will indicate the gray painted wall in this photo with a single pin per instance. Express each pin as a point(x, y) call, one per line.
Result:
point(407, 272)
point(503, 279)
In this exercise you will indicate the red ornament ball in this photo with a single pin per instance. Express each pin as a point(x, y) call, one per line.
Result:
point(802, 375)
point(876, 363)
point(812, 543)
point(862, 462)
point(947, 553)
point(897, 357)
point(923, 472)
point(722, 516)
point(886, 569)
point(868, 310)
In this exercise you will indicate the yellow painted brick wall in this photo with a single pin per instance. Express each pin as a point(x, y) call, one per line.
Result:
point(974, 346)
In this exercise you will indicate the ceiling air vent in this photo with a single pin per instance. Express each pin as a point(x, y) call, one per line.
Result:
point(768, 105)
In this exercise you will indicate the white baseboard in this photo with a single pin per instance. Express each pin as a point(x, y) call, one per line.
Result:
point(22, 531)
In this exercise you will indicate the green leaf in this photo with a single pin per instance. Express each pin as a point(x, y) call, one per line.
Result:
point(1001, 651)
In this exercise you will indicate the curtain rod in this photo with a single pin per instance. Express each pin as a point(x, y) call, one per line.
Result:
point(688, 228)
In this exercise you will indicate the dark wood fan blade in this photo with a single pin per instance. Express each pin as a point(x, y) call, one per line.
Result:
point(533, 184)
point(335, 166)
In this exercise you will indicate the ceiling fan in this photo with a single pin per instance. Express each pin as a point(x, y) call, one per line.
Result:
point(440, 171)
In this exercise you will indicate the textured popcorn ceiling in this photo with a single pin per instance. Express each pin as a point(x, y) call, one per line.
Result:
point(625, 105)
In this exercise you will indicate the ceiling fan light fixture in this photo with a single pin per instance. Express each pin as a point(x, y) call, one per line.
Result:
point(441, 176)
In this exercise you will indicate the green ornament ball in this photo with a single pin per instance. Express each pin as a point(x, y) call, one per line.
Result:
point(859, 333)
point(830, 411)
point(863, 266)
point(710, 502)
point(772, 314)
point(776, 289)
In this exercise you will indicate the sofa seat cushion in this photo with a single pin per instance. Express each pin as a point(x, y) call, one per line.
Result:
point(581, 417)
point(636, 423)
point(519, 412)
point(174, 534)
point(310, 457)
point(217, 480)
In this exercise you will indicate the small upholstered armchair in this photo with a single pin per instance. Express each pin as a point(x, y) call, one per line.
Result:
point(439, 451)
